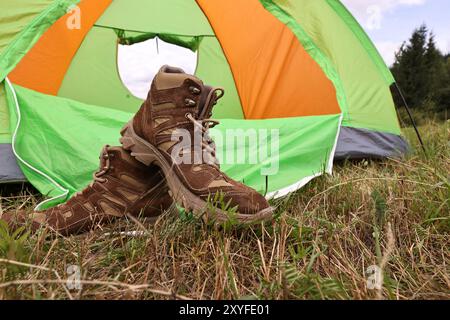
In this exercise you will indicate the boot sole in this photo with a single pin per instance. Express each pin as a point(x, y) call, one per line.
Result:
point(148, 154)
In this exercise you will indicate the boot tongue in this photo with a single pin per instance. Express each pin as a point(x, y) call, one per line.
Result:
point(171, 76)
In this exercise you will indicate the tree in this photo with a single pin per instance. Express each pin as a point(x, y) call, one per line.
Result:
point(437, 73)
point(443, 91)
point(423, 72)
point(410, 68)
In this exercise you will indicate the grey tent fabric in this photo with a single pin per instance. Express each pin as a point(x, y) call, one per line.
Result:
point(357, 143)
point(9, 169)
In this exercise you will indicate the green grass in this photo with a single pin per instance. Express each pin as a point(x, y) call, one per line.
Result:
point(393, 214)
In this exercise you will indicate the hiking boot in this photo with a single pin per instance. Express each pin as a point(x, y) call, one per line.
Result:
point(181, 103)
point(121, 186)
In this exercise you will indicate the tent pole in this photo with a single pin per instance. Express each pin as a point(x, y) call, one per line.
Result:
point(413, 122)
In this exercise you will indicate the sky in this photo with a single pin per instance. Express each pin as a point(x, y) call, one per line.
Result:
point(390, 22)
point(139, 63)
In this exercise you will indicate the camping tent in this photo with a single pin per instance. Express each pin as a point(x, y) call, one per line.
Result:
point(301, 78)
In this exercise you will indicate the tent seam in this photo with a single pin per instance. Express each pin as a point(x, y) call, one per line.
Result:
point(50, 179)
point(166, 33)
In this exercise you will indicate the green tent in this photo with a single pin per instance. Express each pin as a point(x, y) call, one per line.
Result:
point(304, 86)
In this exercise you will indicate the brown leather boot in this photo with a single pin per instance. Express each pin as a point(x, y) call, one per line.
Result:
point(121, 186)
point(178, 101)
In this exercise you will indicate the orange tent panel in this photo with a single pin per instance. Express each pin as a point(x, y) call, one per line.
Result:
point(274, 75)
point(60, 42)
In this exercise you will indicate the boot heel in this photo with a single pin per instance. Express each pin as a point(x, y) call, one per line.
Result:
point(139, 151)
point(127, 140)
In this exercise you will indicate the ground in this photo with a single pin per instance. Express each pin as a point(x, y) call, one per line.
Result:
point(391, 217)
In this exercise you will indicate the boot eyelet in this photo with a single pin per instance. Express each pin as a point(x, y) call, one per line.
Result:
point(189, 102)
point(194, 90)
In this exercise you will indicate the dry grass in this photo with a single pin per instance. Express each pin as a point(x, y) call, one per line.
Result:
point(391, 214)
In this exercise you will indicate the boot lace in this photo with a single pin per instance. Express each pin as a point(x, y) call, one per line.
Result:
point(203, 123)
point(105, 165)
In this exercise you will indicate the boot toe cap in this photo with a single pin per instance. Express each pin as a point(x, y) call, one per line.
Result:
point(247, 202)
point(17, 219)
